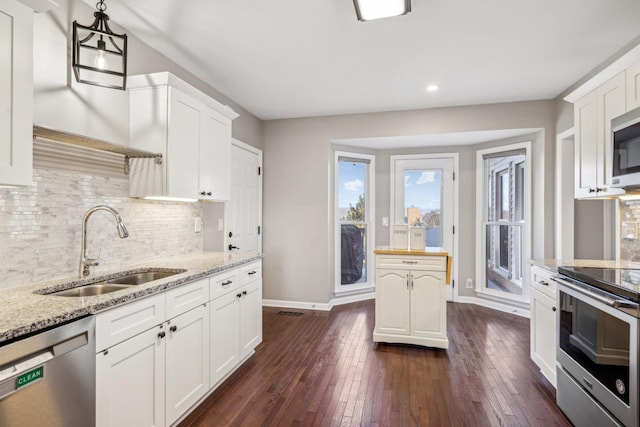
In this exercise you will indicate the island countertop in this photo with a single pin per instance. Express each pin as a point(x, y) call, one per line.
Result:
point(25, 309)
point(427, 251)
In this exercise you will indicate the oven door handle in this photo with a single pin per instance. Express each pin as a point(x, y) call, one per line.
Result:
point(615, 303)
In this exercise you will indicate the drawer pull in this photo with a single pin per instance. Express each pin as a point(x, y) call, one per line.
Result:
point(227, 283)
point(252, 272)
point(543, 283)
point(409, 262)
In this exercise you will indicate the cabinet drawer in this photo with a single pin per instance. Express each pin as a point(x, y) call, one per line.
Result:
point(222, 283)
point(122, 323)
point(250, 272)
point(433, 263)
point(541, 281)
point(184, 298)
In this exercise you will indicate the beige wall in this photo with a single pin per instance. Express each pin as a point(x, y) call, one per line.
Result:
point(297, 161)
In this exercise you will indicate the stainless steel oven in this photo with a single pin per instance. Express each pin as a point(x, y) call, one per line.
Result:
point(597, 348)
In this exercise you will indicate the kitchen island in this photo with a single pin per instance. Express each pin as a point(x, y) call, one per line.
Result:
point(411, 296)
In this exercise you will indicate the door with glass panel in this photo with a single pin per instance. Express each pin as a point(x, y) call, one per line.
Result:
point(422, 196)
point(354, 210)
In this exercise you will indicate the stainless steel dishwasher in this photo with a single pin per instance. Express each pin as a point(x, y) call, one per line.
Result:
point(48, 379)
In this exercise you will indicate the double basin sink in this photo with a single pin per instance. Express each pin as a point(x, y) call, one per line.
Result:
point(116, 283)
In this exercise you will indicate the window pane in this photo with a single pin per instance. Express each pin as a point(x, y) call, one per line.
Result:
point(423, 202)
point(352, 178)
point(504, 259)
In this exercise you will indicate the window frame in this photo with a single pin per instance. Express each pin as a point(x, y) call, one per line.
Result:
point(338, 287)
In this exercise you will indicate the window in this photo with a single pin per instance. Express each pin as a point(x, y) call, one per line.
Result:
point(354, 205)
point(502, 185)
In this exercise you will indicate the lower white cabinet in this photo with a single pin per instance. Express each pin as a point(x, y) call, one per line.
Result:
point(236, 325)
point(130, 381)
point(187, 361)
point(543, 322)
point(411, 300)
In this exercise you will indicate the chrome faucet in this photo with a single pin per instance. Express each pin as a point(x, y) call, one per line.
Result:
point(85, 261)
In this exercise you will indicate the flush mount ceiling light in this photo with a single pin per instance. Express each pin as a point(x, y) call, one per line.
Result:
point(99, 55)
point(432, 88)
point(368, 10)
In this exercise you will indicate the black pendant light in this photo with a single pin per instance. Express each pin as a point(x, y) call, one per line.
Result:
point(99, 55)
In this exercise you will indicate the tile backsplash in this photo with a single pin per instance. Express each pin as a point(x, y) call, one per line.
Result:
point(40, 226)
point(630, 230)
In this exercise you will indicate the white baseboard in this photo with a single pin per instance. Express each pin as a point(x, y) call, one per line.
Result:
point(318, 306)
point(495, 306)
point(296, 304)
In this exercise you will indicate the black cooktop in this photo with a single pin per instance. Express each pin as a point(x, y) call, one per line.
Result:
point(623, 282)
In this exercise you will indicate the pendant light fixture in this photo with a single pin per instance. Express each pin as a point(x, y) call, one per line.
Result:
point(368, 10)
point(99, 55)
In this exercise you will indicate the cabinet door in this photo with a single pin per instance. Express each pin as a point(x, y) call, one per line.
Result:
point(187, 361)
point(250, 317)
point(215, 156)
point(428, 304)
point(130, 382)
point(586, 149)
point(185, 124)
point(16, 93)
point(543, 334)
point(632, 76)
point(610, 104)
point(392, 302)
point(224, 336)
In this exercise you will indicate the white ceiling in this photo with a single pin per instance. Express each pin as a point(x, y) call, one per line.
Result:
point(299, 58)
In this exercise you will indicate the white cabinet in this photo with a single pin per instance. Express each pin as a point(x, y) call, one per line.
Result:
point(543, 322)
point(236, 323)
point(593, 145)
point(190, 129)
point(187, 361)
point(130, 382)
point(632, 75)
point(16, 93)
point(411, 300)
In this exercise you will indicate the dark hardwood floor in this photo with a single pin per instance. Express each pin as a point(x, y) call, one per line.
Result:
point(323, 369)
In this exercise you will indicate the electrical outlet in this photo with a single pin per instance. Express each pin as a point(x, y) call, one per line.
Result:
point(198, 225)
point(385, 221)
point(220, 224)
point(469, 283)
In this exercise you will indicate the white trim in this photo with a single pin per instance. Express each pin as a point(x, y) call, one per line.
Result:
point(456, 191)
point(564, 199)
point(370, 201)
point(610, 213)
point(495, 305)
point(319, 306)
point(480, 219)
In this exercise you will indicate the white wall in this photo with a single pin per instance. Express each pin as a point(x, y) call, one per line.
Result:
point(297, 162)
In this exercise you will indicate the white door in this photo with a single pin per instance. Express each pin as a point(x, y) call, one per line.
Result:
point(250, 317)
point(422, 195)
point(393, 311)
point(243, 210)
point(428, 305)
point(130, 382)
point(187, 361)
point(225, 336)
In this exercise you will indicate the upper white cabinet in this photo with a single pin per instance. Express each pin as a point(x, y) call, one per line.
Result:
point(190, 129)
point(633, 86)
point(16, 93)
point(593, 149)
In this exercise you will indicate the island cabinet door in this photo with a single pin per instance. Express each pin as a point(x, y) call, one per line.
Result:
point(130, 382)
point(428, 304)
point(392, 302)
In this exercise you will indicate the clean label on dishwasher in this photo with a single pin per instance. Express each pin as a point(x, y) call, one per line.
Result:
point(29, 377)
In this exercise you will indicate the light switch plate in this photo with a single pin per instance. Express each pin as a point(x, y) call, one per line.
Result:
point(220, 224)
point(385, 221)
point(198, 225)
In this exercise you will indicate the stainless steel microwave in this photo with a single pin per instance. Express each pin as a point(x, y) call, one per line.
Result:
point(626, 150)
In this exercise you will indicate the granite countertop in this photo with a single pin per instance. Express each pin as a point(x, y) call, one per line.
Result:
point(24, 310)
point(553, 264)
point(428, 251)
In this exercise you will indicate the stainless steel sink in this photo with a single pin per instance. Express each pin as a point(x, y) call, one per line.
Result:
point(90, 290)
point(140, 278)
point(115, 283)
